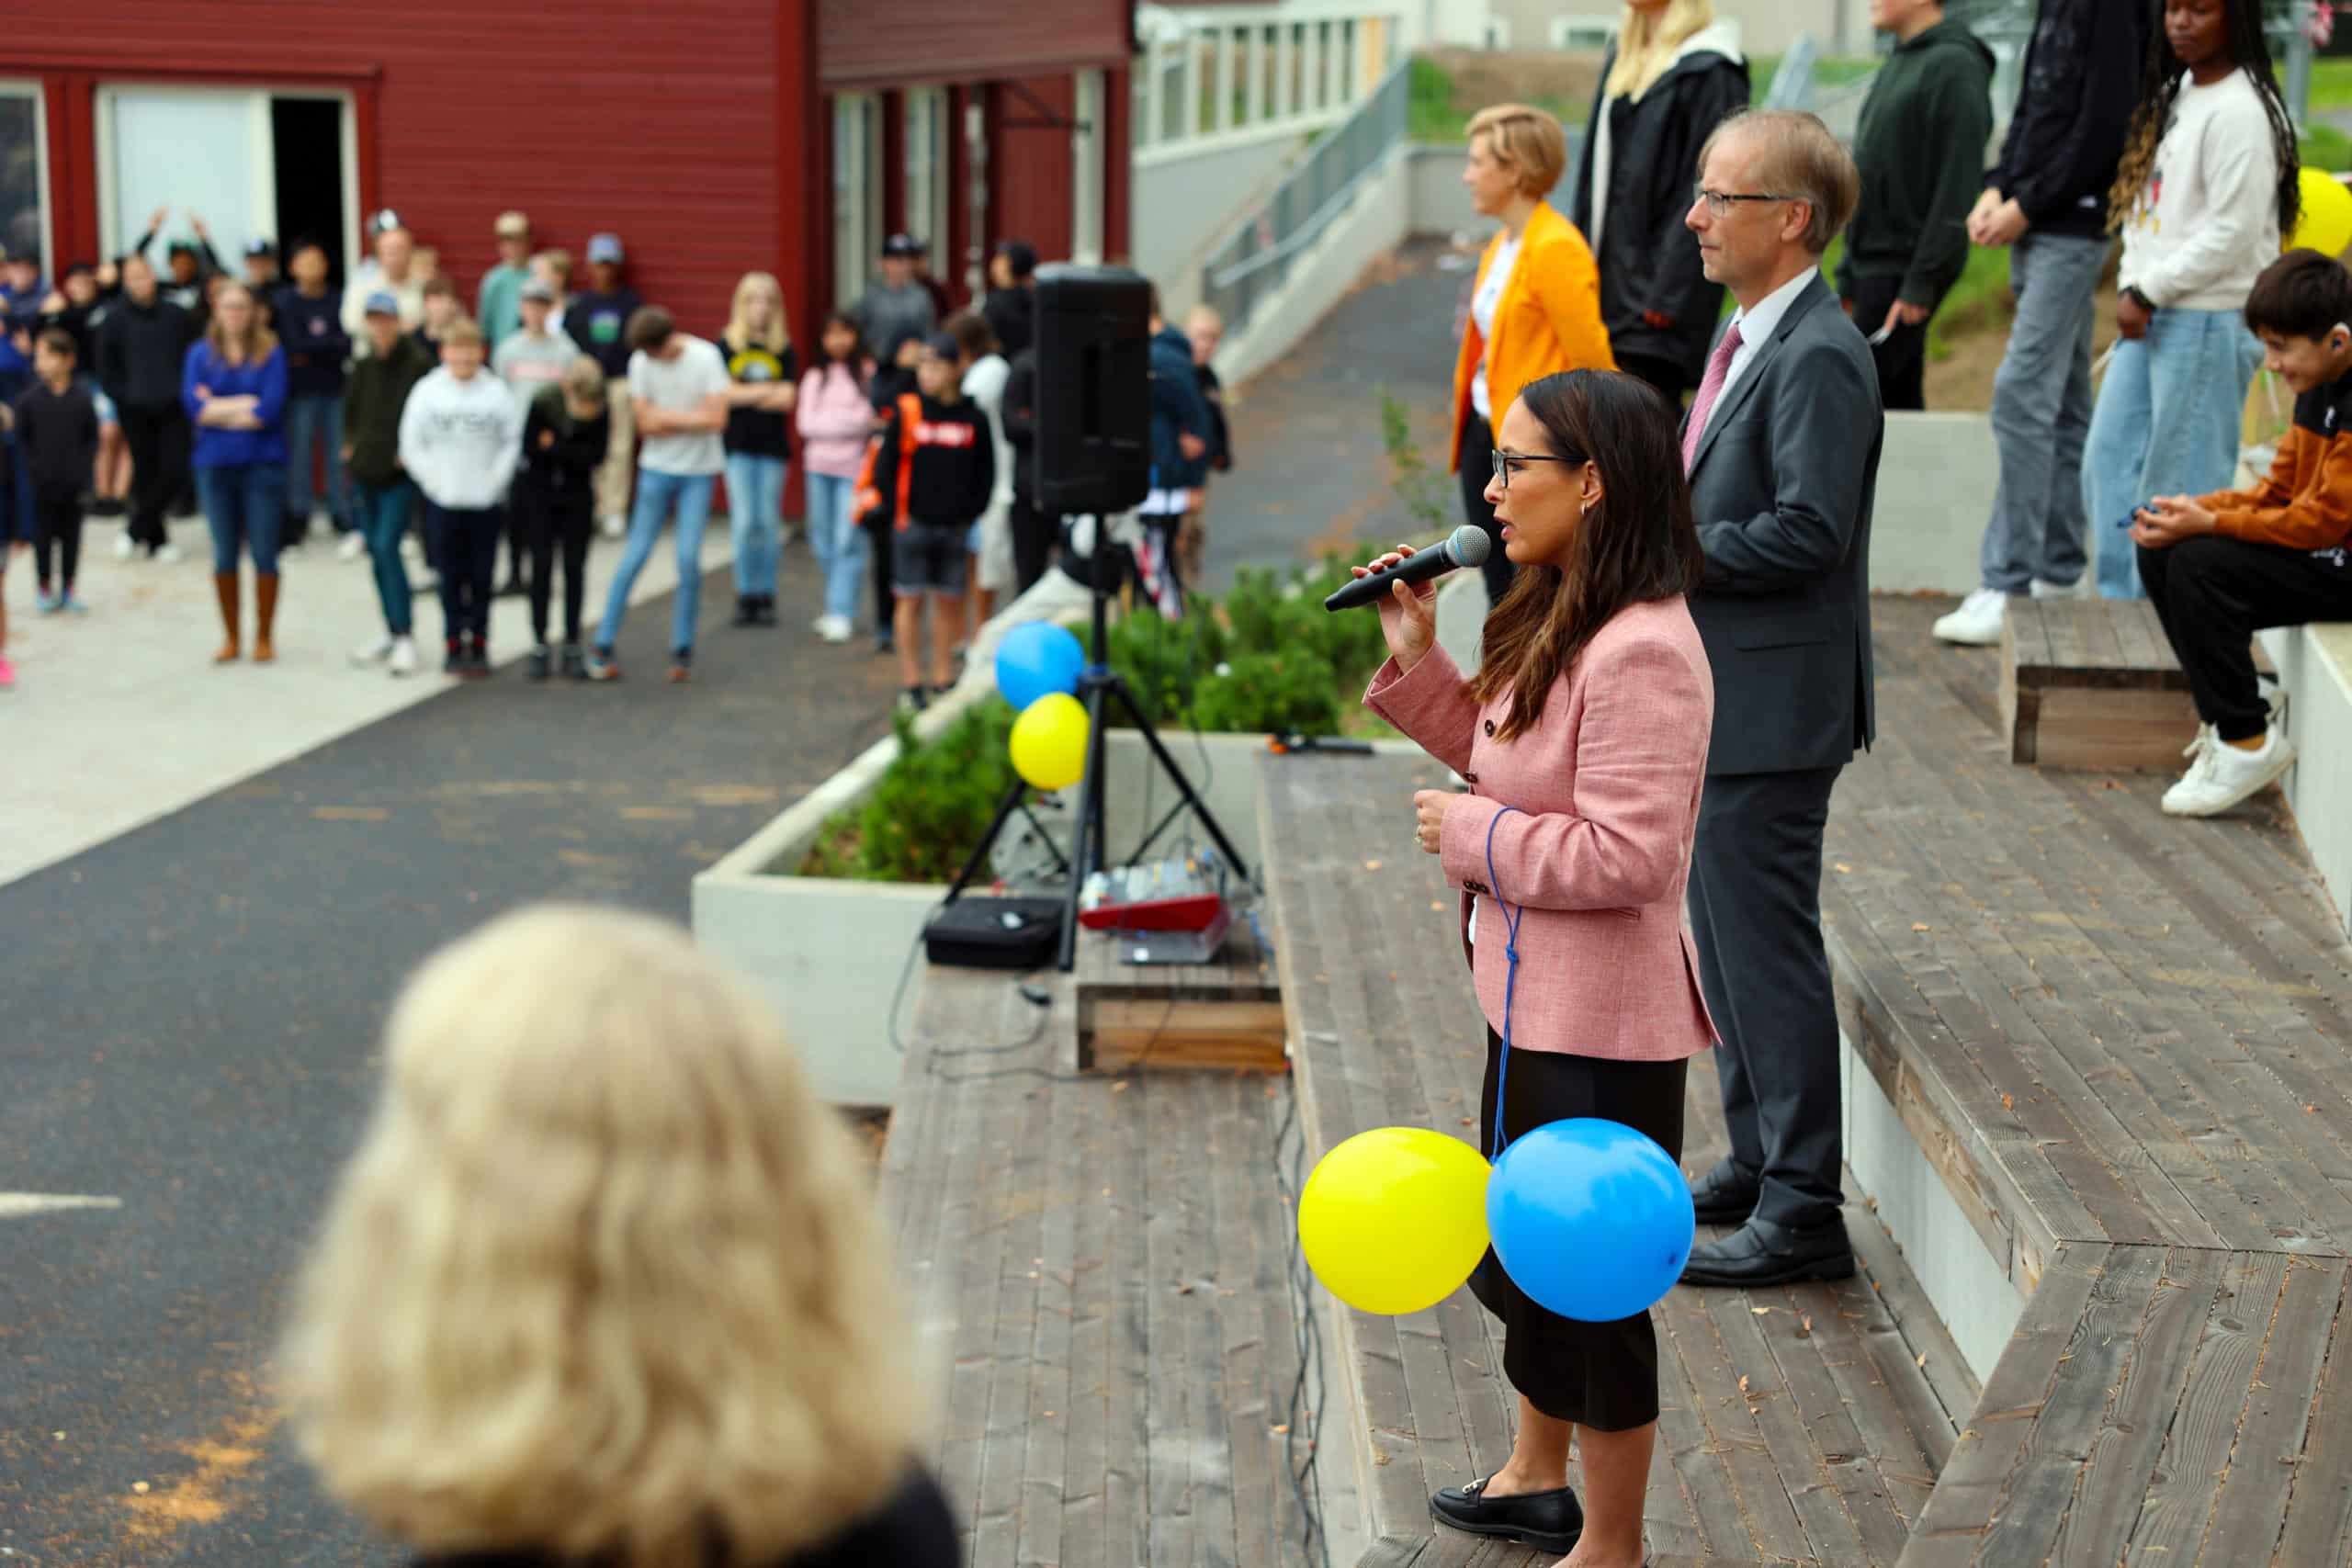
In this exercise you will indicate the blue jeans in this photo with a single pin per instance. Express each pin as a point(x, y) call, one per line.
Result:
point(380, 513)
point(838, 541)
point(2041, 414)
point(2170, 416)
point(657, 492)
point(311, 420)
point(755, 516)
point(244, 504)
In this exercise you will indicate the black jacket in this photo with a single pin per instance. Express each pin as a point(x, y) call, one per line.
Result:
point(1782, 487)
point(951, 471)
point(565, 465)
point(141, 349)
point(1011, 314)
point(1920, 147)
point(2082, 81)
point(1019, 415)
point(57, 436)
point(1649, 263)
point(373, 396)
point(1178, 410)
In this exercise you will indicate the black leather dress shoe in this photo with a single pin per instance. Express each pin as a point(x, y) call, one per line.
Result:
point(1723, 1196)
point(1763, 1253)
point(1548, 1521)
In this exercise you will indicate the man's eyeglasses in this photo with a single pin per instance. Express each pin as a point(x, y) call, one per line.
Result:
point(1720, 202)
point(1506, 463)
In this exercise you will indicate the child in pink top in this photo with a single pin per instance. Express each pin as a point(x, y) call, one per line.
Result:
point(836, 423)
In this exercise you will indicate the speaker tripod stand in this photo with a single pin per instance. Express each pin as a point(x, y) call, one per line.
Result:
point(1098, 687)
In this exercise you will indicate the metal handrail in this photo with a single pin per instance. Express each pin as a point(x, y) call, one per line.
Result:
point(1252, 263)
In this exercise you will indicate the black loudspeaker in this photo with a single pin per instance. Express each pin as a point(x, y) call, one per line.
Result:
point(1093, 389)
point(994, 933)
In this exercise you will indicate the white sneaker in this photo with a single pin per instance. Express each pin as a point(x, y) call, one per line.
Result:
point(403, 659)
point(123, 547)
point(613, 527)
point(835, 629)
point(2042, 588)
point(169, 554)
point(374, 654)
point(2220, 776)
point(353, 546)
point(1978, 621)
point(409, 548)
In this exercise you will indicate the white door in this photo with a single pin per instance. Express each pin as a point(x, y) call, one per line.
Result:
point(196, 150)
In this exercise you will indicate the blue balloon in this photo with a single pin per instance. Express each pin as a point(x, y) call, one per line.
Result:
point(1035, 659)
point(1591, 1219)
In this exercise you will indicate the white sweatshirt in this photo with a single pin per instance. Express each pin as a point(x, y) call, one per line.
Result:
point(460, 440)
point(2207, 221)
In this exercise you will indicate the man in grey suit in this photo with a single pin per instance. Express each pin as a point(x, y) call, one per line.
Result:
point(1783, 449)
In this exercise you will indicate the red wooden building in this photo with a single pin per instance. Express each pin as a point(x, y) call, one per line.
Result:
point(714, 136)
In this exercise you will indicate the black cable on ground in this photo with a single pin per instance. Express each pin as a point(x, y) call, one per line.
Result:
point(1306, 1340)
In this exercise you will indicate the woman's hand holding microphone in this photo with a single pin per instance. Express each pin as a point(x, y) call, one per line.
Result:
point(1408, 615)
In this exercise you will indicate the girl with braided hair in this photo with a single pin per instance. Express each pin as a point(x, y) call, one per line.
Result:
point(2206, 186)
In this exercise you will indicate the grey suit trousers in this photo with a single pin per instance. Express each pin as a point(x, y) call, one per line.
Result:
point(1755, 910)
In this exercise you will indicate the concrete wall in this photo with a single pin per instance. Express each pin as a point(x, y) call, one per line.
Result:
point(1375, 223)
point(2315, 666)
point(1935, 491)
point(1185, 203)
point(1437, 200)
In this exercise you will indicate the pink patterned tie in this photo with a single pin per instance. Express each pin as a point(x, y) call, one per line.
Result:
point(1718, 368)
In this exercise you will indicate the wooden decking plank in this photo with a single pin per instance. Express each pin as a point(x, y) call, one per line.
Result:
point(1169, 1452)
point(1273, 1233)
point(1093, 1360)
point(1209, 1396)
point(2255, 1493)
point(1845, 1515)
point(1127, 1469)
point(1765, 1509)
point(1241, 1159)
point(1051, 1315)
point(2102, 650)
point(1038, 1161)
point(2139, 637)
point(2318, 1524)
point(1976, 1479)
point(1688, 1445)
point(2172, 1524)
point(2029, 632)
point(2124, 1452)
point(2032, 1516)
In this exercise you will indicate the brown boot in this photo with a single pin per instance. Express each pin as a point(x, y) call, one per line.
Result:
point(224, 586)
point(264, 615)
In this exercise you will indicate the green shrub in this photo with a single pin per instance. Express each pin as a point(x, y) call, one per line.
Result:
point(1164, 660)
point(1269, 693)
point(930, 807)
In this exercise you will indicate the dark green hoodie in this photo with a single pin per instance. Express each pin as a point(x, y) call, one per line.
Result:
point(1921, 148)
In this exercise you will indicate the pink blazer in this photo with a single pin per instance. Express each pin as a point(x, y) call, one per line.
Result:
point(1599, 851)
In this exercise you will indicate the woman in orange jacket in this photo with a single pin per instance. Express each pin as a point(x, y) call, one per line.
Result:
point(1535, 306)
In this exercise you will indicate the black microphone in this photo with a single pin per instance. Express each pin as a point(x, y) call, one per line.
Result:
point(1468, 546)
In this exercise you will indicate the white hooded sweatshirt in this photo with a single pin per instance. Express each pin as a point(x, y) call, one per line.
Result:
point(460, 440)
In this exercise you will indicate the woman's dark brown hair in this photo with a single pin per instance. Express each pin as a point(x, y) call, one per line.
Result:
point(1638, 544)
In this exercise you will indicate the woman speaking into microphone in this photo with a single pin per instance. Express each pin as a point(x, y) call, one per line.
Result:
point(1583, 741)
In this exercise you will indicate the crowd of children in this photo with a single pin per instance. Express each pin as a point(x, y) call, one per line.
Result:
point(542, 414)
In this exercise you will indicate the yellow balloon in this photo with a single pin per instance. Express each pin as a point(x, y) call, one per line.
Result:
point(1393, 1220)
point(2325, 225)
point(1049, 741)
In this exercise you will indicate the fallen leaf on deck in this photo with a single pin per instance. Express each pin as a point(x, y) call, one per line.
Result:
point(1843, 866)
point(1758, 1312)
point(1372, 865)
point(1923, 1359)
point(1917, 927)
point(2007, 1103)
point(1806, 1323)
point(1438, 904)
point(1743, 1382)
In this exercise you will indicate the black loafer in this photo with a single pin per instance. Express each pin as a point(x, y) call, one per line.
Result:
point(1548, 1521)
point(1723, 1196)
point(1762, 1253)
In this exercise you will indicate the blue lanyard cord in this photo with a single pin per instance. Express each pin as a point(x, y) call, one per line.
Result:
point(1510, 976)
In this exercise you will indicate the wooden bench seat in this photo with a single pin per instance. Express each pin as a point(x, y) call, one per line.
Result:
point(2124, 1044)
point(1798, 1425)
point(2093, 684)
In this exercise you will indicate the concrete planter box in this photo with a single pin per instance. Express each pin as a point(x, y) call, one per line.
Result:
point(830, 953)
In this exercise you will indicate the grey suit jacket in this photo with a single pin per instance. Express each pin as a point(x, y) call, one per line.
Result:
point(1781, 490)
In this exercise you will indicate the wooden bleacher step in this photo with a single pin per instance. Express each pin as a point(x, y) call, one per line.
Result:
point(1223, 1016)
point(2093, 684)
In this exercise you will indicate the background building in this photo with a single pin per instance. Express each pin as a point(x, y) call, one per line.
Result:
point(714, 136)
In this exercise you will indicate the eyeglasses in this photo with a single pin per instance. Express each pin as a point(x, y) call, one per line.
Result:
point(1719, 202)
point(1506, 462)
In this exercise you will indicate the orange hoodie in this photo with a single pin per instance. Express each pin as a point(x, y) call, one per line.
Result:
point(2305, 502)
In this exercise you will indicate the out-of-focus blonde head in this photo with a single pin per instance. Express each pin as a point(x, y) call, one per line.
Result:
point(602, 1276)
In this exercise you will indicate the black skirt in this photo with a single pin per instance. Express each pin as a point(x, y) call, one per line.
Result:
point(1602, 1375)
